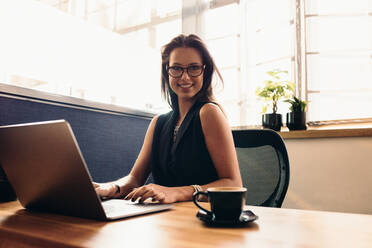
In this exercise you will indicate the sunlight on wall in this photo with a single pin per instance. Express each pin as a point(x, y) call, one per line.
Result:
point(66, 54)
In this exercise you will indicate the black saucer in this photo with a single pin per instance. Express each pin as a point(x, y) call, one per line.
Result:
point(246, 217)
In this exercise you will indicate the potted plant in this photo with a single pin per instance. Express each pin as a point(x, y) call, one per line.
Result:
point(276, 88)
point(296, 119)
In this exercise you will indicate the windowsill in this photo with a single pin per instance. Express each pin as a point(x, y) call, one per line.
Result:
point(326, 131)
point(52, 98)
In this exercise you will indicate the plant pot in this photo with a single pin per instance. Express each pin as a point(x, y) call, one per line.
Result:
point(272, 121)
point(296, 120)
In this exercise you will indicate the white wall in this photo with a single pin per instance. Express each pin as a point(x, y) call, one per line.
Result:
point(331, 174)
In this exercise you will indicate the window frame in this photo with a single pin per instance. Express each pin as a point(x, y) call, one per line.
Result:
point(302, 55)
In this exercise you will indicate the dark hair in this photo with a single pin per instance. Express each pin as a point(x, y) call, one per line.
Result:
point(193, 41)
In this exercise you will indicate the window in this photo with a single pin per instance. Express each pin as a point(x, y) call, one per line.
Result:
point(339, 59)
point(246, 38)
point(270, 40)
point(101, 50)
point(326, 45)
point(222, 38)
point(109, 50)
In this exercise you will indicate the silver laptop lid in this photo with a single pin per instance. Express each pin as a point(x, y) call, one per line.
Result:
point(44, 164)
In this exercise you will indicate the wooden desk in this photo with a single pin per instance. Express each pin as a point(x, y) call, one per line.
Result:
point(180, 228)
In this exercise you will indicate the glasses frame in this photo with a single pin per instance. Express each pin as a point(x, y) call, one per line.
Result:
point(187, 70)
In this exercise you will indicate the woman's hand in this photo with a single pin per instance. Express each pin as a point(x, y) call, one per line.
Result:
point(107, 190)
point(158, 193)
point(116, 189)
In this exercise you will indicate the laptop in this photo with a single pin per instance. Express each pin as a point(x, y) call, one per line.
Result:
point(46, 168)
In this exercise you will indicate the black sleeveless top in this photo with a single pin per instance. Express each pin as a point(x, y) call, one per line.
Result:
point(186, 161)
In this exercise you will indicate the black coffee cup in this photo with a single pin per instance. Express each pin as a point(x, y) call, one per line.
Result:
point(227, 203)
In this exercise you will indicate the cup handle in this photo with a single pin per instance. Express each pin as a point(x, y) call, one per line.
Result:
point(195, 200)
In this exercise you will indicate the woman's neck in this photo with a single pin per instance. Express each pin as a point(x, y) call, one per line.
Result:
point(183, 107)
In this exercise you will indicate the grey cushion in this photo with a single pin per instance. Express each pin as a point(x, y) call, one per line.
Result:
point(109, 142)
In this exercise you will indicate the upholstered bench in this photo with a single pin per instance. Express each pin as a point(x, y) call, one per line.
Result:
point(109, 140)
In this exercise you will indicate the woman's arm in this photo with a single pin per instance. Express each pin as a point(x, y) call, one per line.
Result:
point(138, 174)
point(220, 144)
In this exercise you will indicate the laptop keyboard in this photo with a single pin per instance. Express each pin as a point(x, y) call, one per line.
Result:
point(109, 209)
point(114, 206)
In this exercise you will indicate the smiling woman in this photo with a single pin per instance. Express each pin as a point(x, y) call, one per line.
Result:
point(185, 85)
point(190, 148)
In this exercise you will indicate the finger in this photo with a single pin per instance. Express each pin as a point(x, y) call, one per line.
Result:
point(130, 194)
point(96, 185)
point(125, 191)
point(149, 194)
point(139, 193)
point(159, 197)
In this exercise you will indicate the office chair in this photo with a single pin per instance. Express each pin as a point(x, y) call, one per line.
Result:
point(264, 166)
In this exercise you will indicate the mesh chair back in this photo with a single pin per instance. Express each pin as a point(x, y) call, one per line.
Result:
point(264, 166)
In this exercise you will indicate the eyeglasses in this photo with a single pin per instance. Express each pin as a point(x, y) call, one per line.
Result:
point(192, 70)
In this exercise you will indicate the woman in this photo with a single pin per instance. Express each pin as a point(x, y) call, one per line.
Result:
point(190, 148)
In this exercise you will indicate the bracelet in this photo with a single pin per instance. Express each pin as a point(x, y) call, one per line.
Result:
point(197, 188)
point(117, 189)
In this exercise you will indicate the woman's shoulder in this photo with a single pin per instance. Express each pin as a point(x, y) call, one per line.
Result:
point(213, 120)
point(159, 119)
point(211, 109)
point(212, 114)
point(164, 116)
